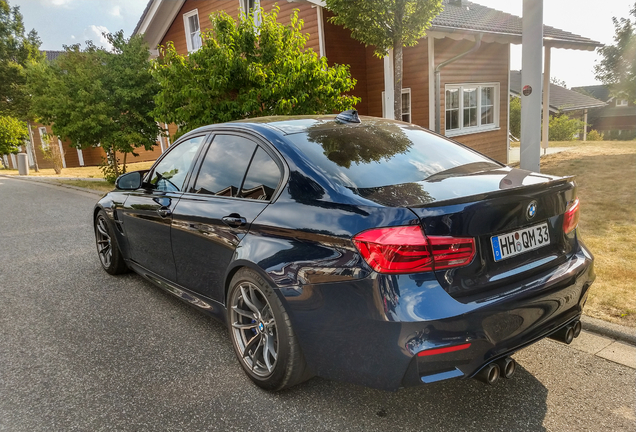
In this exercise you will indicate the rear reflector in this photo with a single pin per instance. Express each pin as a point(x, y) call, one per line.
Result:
point(406, 249)
point(571, 217)
point(444, 350)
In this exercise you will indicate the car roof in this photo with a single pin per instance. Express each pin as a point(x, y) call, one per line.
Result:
point(289, 125)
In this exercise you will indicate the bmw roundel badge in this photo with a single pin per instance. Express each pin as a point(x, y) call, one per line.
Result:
point(532, 210)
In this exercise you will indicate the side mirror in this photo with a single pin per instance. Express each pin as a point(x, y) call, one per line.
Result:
point(129, 181)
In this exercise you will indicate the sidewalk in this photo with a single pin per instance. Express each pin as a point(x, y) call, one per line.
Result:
point(513, 153)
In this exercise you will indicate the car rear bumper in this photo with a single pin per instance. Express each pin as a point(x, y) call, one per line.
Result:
point(369, 332)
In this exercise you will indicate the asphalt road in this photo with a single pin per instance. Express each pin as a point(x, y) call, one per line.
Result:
point(84, 351)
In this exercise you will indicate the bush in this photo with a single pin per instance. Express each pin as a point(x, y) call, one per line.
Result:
point(108, 170)
point(563, 128)
point(515, 116)
point(54, 154)
point(594, 135)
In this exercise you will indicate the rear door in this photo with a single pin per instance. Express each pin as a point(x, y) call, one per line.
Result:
point(235, 181)
point(147, 212)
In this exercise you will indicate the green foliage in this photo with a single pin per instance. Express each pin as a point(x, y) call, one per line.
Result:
point(17, 49)
point(13, 133)
point(53, 153)
point(386, 25)
point(243, 72)
point(94, 96)
point(594, 135)
point(620, 135)
point(108, 170)
point(617, 69)
point(563, 128)
point(515, 116)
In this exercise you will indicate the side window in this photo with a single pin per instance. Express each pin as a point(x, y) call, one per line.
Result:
point(262, 177)
point(169, 175)
point(224, 165)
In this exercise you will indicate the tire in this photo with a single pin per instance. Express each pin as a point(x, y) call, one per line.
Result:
point(262, 335)
point(107, 247)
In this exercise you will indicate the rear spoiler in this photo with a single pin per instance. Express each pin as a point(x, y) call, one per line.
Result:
point(556, 183)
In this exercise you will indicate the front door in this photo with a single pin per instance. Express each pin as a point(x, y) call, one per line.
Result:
point(147, 212)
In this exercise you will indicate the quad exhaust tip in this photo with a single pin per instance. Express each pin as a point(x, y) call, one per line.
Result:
point(507, 367)
point(489, 374)
point(568, 333)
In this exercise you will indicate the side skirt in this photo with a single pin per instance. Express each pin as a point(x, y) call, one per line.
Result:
point(209, 306)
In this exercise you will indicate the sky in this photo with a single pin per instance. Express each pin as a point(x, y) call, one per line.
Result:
point(66, 22)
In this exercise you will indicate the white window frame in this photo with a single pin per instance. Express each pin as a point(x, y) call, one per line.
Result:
point(621, 102)
point(472, 129)
point(409, 113)
point(188, 30)
point(243, 5)
point(43, 132)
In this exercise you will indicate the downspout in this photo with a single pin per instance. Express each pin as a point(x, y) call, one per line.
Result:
point(438, 85)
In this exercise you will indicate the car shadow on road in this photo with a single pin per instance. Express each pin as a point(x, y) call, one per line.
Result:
point(518, 404)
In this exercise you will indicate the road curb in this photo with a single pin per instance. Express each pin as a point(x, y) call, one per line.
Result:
point(608, 329)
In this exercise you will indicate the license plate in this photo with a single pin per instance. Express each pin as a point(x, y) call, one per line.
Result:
point(520, 241)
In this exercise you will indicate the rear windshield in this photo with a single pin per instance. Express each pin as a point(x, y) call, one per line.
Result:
point(380, 153)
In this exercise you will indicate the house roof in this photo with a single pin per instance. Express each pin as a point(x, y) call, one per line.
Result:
point(52, 55)
point(460, 19)
point(598, 91)
point(462, 15)
point(561, 99)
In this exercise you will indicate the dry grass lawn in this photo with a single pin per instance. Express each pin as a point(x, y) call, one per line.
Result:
point(606, 177)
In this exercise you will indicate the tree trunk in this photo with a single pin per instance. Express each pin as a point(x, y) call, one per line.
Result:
point(397, 79)
point(35, 156)
point(114, 162)
point(123, 170)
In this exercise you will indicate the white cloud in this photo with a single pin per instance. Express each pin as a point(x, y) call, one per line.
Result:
point(115, 11)
point(94, 33)
point(59, 2)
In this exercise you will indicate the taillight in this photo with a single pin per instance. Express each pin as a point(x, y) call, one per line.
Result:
point(406, 249)
point(571, 217)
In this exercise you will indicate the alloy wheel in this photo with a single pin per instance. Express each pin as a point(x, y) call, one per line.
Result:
point(104, 243)
point(254, 329)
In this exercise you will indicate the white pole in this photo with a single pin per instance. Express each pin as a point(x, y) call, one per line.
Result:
point(431, 82)
point(532, 42)
point(585, 125)
point(546, 99)
point(389, 111)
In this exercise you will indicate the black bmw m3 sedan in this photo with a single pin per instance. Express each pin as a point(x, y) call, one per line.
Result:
point(354, 248)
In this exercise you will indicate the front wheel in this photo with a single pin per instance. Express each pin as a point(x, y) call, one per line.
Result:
point(261, 334)
point(107, 248)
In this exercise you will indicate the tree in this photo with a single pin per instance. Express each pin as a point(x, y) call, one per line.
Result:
point(559, 82)
point(617, 69)
point(242, 71)
point(97, 97)
point(515, 116)
point(563, 128)
point(17, 49)
point(386, 25)
point(13, 133)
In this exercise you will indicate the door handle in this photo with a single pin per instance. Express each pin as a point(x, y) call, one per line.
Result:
point(164, 212)
point(234, 220)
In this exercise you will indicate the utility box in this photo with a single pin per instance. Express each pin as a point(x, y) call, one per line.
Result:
point(23, 164)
